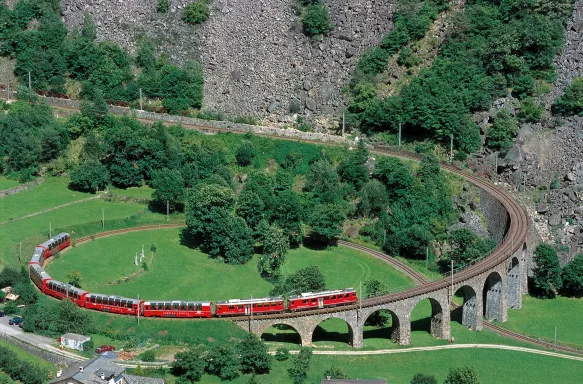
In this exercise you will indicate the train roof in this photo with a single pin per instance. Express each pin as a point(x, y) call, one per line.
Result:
point(38, 251)
point(178, 302)
point(69, 287)
point(250, 301)
point(35, 258)
point(40, 271)
point(322, 293)
point(54, 238)
point(134, 300)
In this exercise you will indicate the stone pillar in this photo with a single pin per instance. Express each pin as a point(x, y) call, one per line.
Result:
point(440, 320)
point(503, 311)
point(306, 338)
point(357, 336)
point(496, 300)
point(401, 330)
point(514, 284)
point(470, 314)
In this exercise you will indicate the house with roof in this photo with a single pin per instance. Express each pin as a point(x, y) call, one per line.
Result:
point(100, 370)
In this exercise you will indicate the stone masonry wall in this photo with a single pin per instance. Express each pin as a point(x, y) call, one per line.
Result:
point(21, 188)
point(256, 58)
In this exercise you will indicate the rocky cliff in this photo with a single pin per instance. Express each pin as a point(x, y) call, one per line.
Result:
point(256, 59)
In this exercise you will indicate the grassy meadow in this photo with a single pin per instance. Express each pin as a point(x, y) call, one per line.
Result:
point(7, 183)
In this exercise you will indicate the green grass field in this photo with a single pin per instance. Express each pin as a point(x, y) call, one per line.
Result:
point(7, 183)
point(538, 318)
point(53, 192)
point(178, 272)
point(493, 367)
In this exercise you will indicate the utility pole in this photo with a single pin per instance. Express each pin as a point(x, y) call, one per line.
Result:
point(141, 106)
point(496, 171)
point(399, 135)
point(360, 297)
point(426, 257)
point(343, 122)
point(251, 312)
point(20, 253)
point(451, 146)
point(102, 217)
point(138, 309)
point(50, 230)
point(452, 292)
point(167, 210)
point(29, 82)
point(8, 91)
point(555, 339)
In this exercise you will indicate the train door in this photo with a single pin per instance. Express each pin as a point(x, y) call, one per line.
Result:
point(248, 309)
point(320, 302)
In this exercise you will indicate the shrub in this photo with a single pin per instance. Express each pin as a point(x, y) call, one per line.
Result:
point(294, 106)
point(571, 102)
point(88, 345)
point(148, 356)
point(281, 354)
point(316, 20)
point(245, 153)
point(163, 6)
point(530, 111)
point(523, 87)
point(502, 132)
point(196, 12)
point(90, 177)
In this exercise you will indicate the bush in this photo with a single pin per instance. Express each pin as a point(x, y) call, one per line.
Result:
point(281, 354)
point(90, 177)
point(163, 6)
point(196, 12)
point(571, 102)
point(245, 153)
point(88, 345)
point(148, 356)
point(316, 19)
point(530, 111)
point(294, 106)
point(502, 132)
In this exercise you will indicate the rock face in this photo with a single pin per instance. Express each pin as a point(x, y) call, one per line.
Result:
point(256, 58)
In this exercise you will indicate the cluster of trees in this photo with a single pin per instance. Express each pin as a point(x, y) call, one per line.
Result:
point(467, 247)
point(463, 375)
point(491, 46)
point(315, 17)
point(20, 370)
point(21, 285)
point(225, 360)
point(55, 318)
point(548, 278)
point(51, 55)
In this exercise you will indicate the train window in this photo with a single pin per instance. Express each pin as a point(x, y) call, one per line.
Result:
point(305, 301)
point(199, 307)
point(333, 297)
point(231, 306)
point(160, 306)
point(314, 300)
point(98, 300)
point(258, 305)
point(111, 301)
point(129, 304)
point(117, 301)
point(190, 306)
point(274, 304)
point(182, 307)
point(124, 303)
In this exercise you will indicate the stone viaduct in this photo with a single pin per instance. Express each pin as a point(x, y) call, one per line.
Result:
point(489, 287)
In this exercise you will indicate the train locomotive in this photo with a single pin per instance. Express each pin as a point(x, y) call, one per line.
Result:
point(172, 308)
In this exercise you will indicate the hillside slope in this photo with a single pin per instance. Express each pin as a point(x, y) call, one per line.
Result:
point(256, 58)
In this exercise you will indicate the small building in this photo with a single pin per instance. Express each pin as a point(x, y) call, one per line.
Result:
point(74, 341)
point(352, 381)
point(100, 370)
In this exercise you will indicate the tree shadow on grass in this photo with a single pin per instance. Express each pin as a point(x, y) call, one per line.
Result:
point(288, 335)
point(320, 334)
point(456, 314)
point(316, 245)
point(189, 240)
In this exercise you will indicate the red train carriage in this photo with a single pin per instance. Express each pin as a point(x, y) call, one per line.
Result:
point(113, 304)
point(56, 244)
point(39, 277)
point(62, 290)
point(250, 306)
point(37, 256)
point(187, 309)
point(315, 300)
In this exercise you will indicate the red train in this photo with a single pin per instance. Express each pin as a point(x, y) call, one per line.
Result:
point(172, 308)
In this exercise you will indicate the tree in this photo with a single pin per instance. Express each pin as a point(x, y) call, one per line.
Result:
point(308, 279)
point(70, 318)
point(245, 153)
point(163, 6)
point(316, 19)
point(190, 365)
point(373, 199)
point(281, 354)
point(395, 175)
point(571, 102)
point(89, 29)
point(420, 378)
point(464, 375)
point(74, 278)
point(300, 366)
point(547, 273)
point(323, 181)
point(92, 176)
point(169, 187)
point(250, 207)
point(353, 170)
point(254, 356)
point(573, 276)
point(203, 201)
point(288, 213)
point(502, 132)
point(196, 12)
point(223, 361)
point(327, 221)
point(275, 247)
point(467, 247)
point(26, 292)
point(334, 373)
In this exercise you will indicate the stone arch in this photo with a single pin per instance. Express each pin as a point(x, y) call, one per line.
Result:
point(394, 328)
point(514, 296)
point(437, 327)
point(314, 330)
point(492, 297)
point(285, 336)
point(470, 316)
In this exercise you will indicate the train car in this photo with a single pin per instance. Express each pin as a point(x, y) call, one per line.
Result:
point(186, 309)
point(39, 277)
point(37, 256)
point(62, 290)
point(316, 300)
point(250, 306)
point(113, 304)
point(55, 244)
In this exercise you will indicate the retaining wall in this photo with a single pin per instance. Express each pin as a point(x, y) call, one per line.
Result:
point(21, 188)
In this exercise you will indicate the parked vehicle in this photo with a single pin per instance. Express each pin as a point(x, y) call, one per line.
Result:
point(2, 314)
point(105, 348)
point(15, 321)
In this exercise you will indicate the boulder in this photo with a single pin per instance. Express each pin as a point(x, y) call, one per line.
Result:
point(555, 219)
